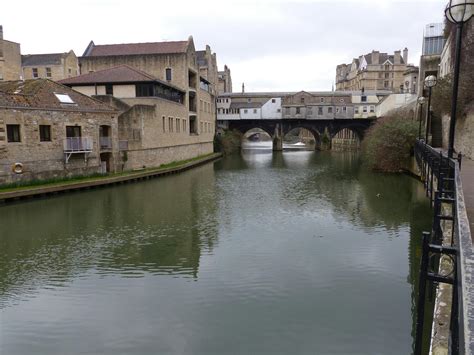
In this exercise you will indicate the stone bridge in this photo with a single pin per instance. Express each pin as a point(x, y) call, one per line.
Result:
point(278, 128)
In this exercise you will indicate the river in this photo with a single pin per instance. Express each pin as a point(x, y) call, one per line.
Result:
point(299, 252)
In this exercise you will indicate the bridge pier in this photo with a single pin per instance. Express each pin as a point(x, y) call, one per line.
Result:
point(278, 139)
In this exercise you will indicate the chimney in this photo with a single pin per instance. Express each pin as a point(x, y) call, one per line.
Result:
point(397, 58)
point(375, 57)
point(405, 55)
point(243, 88)
point(1, 32)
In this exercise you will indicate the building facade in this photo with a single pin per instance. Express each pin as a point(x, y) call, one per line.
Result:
point(10, 59)
point(54, 66)
point(175, 64)
point(49, 131)
point(433, 43)
point(373, 71)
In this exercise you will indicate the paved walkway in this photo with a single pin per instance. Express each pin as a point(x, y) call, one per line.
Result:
point(467, 177)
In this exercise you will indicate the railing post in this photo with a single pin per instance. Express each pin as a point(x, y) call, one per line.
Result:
point(420, 318)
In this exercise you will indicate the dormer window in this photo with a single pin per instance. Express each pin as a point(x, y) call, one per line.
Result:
point(302, 100)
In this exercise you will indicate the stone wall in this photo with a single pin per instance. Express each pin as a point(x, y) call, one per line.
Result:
point(464, 134)
point(154, 157)
point(45, 160)
point(11, 63)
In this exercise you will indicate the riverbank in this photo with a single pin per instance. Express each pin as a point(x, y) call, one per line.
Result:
point(23, 192)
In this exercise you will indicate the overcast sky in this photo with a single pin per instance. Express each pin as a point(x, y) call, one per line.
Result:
point(270, 45)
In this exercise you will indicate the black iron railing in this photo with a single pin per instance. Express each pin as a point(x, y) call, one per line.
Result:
point(449, 237)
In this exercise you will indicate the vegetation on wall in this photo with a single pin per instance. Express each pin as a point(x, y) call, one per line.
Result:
point(388, 144)
point(228, 142)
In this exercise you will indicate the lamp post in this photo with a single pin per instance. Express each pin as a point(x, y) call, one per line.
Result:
point(430, 82)
point(421, 101)
point(457, 12)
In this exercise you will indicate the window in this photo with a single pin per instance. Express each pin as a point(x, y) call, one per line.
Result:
point(64, 98)
point(278, 110)
point(344, 109)
point(141, 90)
point(109, 89)
point(170, 124)
point(48, 72)
point(356, 110)
point(184, 125)
point(13, 132)
point(287, 110)
point(321, 99)
point(245, 111)
point(298, 110)
point(168, 74)
point(310, 110)
point(387, 75)
point(45, 133)
point(320, 111)
point(302, 100)
point(163, 123)
point(69, 71)
point(249, 100)
point(35, 72)
point(337, 109)
point(273, 101)
point(329, 109)
point(254, 110)
point(372, 108)
point(177, 125)
point(385, 84)
point(365, 109)
point(363, 98)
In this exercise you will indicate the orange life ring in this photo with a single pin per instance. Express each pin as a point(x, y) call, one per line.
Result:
point(17, 168)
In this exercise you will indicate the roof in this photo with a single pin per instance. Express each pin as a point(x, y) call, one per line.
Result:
point(41, 94)
point(136, 48)
point(118, 74)
point(42, 59)
point(246, 104)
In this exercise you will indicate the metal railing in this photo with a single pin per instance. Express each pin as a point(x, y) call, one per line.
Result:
point(441, 177)
point(105, 142)
point(78, 144)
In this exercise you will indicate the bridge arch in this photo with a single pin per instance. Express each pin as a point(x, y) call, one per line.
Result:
point(346, 138)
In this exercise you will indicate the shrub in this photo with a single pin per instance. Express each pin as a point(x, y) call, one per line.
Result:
point(388, 144)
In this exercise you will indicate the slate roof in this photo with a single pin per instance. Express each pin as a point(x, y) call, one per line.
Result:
point(40, 94)
point(136, 48)
point(29, 60)
point(118, 74)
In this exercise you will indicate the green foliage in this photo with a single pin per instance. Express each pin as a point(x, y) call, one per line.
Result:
point(228, 142)
point(388, 144)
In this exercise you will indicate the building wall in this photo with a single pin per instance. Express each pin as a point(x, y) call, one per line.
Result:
point(68, 68)
point(272, 109)
point(10, 62)
point(44, 160)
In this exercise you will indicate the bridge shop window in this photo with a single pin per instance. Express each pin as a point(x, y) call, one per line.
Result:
point(287, 110)
point(45, 133)
point(365, 109)
point(321, 99)
point(254, 110)
point(273, 101)
point(298, 110)
point(246, 111)
point(372, 108)
point(344, 109)
point(356, 110)
point(320, 111)
point(329, 109)
point(13, 133)
point(302, 100)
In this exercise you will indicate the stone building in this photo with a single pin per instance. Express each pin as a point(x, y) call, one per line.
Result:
point(48, 130)
point(54, 66)
point(10, 59)
point(154, 127)
point(411, 78)
point(174, 63)
point(225, 81)
point(373, 71)
point(207, 63)
point(318, 105)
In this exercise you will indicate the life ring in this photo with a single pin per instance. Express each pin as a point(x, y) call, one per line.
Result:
point(17, 168)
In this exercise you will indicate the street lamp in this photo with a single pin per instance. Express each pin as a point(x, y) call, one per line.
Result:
point(457, 12)
point(421, 101)
point(430, 82)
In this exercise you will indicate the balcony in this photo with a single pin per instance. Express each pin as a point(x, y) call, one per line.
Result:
point(105, 143)
point(78, 145)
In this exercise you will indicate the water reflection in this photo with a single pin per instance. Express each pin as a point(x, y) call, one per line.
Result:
point(159, 227)
point(293, 252)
